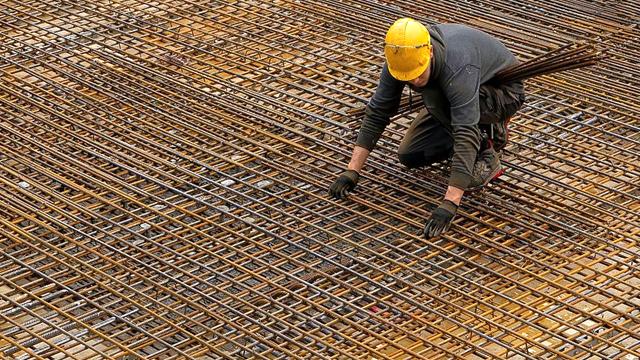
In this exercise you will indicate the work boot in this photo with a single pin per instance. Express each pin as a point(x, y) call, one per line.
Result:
point(500, 134)
point(486, 168)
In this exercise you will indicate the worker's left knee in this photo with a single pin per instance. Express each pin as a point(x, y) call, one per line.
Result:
point(514, 98)
point(497, 104)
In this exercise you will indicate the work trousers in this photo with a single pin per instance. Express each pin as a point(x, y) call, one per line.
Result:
point(428, 140)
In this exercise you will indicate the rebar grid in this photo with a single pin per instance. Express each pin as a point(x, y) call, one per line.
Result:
point(163, 177)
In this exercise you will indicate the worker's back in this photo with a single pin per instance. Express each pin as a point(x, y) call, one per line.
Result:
point(468, 46)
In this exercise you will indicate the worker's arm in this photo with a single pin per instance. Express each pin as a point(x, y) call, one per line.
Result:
point(454, 194)
point(463, 96)
point(358, 158)
point(382, 106)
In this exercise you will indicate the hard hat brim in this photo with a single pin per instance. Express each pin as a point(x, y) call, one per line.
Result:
point(395, 64)
point(408, 75)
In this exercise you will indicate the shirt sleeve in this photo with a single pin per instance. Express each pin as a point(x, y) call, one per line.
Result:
point(381, 107)
point(466, 140)
point(463, 94)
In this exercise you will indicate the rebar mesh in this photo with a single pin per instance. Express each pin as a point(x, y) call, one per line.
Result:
point(164, 168)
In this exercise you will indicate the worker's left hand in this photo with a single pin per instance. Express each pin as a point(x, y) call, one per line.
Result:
point(440, 219)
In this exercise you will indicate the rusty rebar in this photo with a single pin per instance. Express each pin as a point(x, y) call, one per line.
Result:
point(163, 178)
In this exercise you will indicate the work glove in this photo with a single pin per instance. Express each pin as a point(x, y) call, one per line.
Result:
point(440, 219)
point(345, 183)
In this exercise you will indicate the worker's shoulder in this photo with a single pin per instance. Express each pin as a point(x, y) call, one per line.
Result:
point(467, 46)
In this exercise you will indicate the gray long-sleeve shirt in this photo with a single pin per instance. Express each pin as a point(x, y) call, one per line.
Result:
point(464, 58)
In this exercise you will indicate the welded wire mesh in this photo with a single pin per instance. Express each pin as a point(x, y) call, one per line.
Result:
point(164, 168)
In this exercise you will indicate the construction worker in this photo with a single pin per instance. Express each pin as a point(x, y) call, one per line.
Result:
point(465, 116)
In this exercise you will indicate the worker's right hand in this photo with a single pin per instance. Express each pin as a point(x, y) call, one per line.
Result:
point(345, 183)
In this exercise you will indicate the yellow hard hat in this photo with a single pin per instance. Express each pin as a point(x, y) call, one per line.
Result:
point(407, 48)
